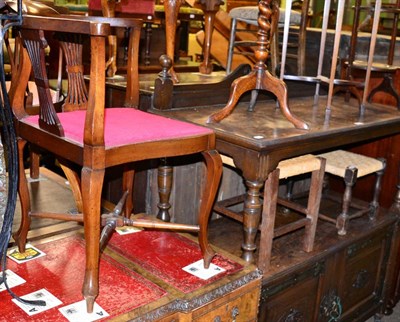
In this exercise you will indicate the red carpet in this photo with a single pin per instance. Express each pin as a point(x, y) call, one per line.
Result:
point(164, 254)
point(61, 272)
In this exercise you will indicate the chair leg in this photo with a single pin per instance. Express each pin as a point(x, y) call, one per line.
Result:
point(21, 235)
point(314, 202)
point(377, 191)
point(350, 179)
point(231, 46)
point(268, 220)
point(34, 164)
point(127, 185)
point(214, 173)
point(92, 181)
point(74, 183)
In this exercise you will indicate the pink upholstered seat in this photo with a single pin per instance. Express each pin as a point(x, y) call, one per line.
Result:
point(125, 126)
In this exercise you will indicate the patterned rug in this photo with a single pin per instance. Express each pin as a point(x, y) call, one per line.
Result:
point(61, 272)
point(164, 254)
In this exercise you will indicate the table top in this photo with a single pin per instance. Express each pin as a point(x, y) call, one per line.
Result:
point(258, 140)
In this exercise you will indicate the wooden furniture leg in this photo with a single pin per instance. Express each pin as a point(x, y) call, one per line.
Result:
point(214, 172)
point(171, 8)
point(20, 236)
point(260, 78)
point(377, 190)
point(350, 179)
point(34, 164)
point(268, 221)
point(92, 179)
point(148, 34)
point(164, 180)
point(108, 10)
point(210, 8)
point(251, 219)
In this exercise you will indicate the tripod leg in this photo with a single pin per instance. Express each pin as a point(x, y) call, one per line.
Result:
point(238, 87)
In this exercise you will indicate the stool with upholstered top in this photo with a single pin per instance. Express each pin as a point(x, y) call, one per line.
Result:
point(350, 166)
point(286, 169)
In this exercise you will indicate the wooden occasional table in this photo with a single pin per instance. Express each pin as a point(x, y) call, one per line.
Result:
point(258, 140)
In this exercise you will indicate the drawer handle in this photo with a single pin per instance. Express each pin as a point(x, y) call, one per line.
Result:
point(235, 313)
point(331, 307)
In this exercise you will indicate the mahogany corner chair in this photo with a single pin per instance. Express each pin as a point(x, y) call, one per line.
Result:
point(88, 135)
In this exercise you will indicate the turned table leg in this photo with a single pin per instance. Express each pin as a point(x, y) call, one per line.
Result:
point(164, 180)
point(171, 8)
point(210, 8)
point(251, 219)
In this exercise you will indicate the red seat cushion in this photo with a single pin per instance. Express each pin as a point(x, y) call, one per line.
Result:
point(125, 126)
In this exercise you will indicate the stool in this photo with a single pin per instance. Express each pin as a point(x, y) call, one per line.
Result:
point(350, 166)
point(249, 16)
point(287, 169)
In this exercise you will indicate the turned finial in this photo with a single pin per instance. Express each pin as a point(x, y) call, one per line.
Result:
point(165, 63)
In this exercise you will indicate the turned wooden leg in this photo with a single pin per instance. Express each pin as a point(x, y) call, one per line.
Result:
point(214, 173)
point(374, 205)
point(350, 179)
point(268, 220)
point(171, 8)
point(210, 8)
point(206, 66)
point(148, 34)
point(314, 202)
point(251, 219)
point(92, 183)
point(164, 180)
point(21, 235)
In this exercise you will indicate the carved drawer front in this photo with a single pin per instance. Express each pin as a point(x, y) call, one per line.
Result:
point(293, 299)
point(239, 305)
point(363, 273)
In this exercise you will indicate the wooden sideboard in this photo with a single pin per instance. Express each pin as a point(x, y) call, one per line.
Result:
point(345, 278)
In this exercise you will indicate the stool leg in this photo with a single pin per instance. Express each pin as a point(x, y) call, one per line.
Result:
point(377, 190)
point(231, 46)
point(350, 178)
point(314, 202)
point(268, 220)
point(289, 194)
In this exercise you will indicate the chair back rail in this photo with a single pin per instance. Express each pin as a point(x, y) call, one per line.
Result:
point(71, 35)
